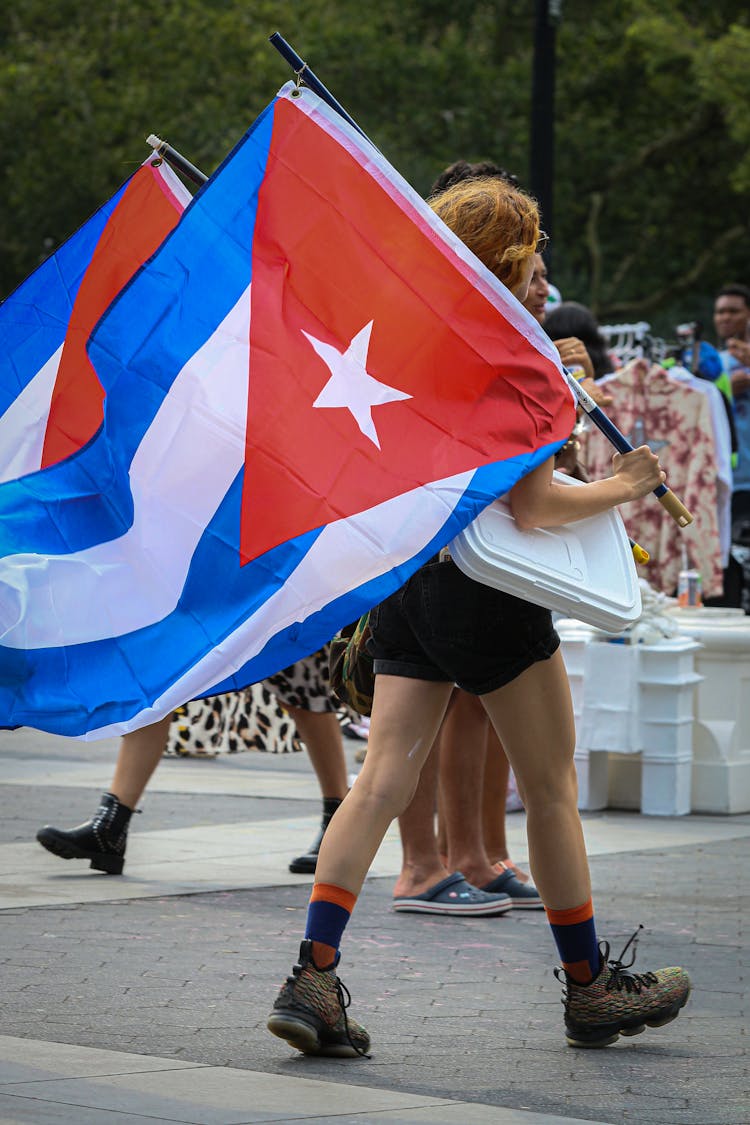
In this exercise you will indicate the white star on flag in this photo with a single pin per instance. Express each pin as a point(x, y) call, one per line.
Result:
point(350, 386)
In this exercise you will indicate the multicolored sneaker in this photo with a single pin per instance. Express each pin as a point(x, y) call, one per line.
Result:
point(618, 1002)
point(310, 1012)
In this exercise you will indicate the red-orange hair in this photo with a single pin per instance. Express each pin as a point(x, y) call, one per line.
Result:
point(498, 222)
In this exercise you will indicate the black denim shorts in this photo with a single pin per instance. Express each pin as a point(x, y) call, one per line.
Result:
point(444, 626)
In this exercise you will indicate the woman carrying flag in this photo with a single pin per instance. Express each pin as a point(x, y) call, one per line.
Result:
point(442, 629)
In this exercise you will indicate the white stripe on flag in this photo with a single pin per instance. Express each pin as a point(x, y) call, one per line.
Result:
point(345, 555)
point(24, 424)
point(179, 476)
point(172, 182)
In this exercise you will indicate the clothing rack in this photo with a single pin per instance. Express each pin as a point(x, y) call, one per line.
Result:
point(633, 341)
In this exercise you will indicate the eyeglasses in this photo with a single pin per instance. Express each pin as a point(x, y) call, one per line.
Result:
point(542, 242)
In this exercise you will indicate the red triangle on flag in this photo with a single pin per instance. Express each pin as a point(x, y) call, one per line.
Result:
point(334, 251)
point(140, 222)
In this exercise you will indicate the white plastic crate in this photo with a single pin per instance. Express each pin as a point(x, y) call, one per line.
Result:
point(673, 702)
point(662, 738)
point(666, 786)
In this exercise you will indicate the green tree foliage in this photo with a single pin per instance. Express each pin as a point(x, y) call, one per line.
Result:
point(651, 151)
point(653, 172)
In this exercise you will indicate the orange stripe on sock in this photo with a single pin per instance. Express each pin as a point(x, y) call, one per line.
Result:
point(324, 956)
point(580, 971)
point(571, 916)
point(327, 892)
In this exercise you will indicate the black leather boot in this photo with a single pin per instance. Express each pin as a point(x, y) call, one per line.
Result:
point(306, 864)
point(101, 839)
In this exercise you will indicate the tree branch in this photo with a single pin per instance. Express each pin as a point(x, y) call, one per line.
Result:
point(627, 309)
point(622, 270)
point(676, 137)
point(595, 249)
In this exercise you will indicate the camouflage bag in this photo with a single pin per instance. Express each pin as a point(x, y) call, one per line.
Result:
point(350, 668)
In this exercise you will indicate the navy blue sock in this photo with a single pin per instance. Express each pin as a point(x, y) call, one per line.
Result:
point(574, 932)
point(328, 912)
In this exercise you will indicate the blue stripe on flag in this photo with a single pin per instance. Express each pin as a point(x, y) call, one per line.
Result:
point(67, 507)
point(34, 318)
point(106, 681)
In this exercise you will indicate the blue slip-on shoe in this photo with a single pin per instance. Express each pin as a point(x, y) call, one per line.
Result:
point(524, 896)
point(453, 895)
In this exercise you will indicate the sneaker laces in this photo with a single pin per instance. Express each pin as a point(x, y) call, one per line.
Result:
point(620, 976)
point(345, 1000)
point(343, 994)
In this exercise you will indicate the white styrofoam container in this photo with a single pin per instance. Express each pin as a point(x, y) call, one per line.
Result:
point(583, 569)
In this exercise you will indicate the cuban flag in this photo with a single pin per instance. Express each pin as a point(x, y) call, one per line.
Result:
point(50, 397)
point(309, 389)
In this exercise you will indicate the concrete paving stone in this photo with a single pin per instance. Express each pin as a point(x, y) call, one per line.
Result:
point(24, 1062)
point(15, 1110)
point(31, 758)
point(218, 858)
point(212, 1096)
point(33, 806)
point(20, 1023)
point(446, 1115)
point(396, 965)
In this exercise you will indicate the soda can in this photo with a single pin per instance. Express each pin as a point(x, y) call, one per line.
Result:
point(689, 589)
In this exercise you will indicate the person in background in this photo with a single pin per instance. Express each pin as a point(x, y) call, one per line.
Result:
point(302, 689)
point(732, 324)
point(467, 870)
point(462, 870)
point(452, 872)
point(574, 330)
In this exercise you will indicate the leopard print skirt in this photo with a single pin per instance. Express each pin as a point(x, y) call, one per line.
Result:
point(305, 684)
point(253, 719)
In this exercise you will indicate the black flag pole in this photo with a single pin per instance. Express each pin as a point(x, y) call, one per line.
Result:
point(176, 160)
point(677, 510)
point(304, 74)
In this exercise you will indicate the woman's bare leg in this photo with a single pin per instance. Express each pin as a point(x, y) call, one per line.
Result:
point(321, 734)
point(103, 839)
point(463, 745)
point(139, 755)
point(422, 866)
point(406, 716)
point(533, 717)
point(494, 796)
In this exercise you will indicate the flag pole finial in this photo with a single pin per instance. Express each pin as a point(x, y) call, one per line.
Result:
point(175, 159)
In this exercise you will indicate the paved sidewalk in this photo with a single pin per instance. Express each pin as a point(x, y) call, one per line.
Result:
point(144, 998)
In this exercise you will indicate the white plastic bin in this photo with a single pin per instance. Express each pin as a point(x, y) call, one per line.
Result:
point(721, 751)
point(637, 715)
